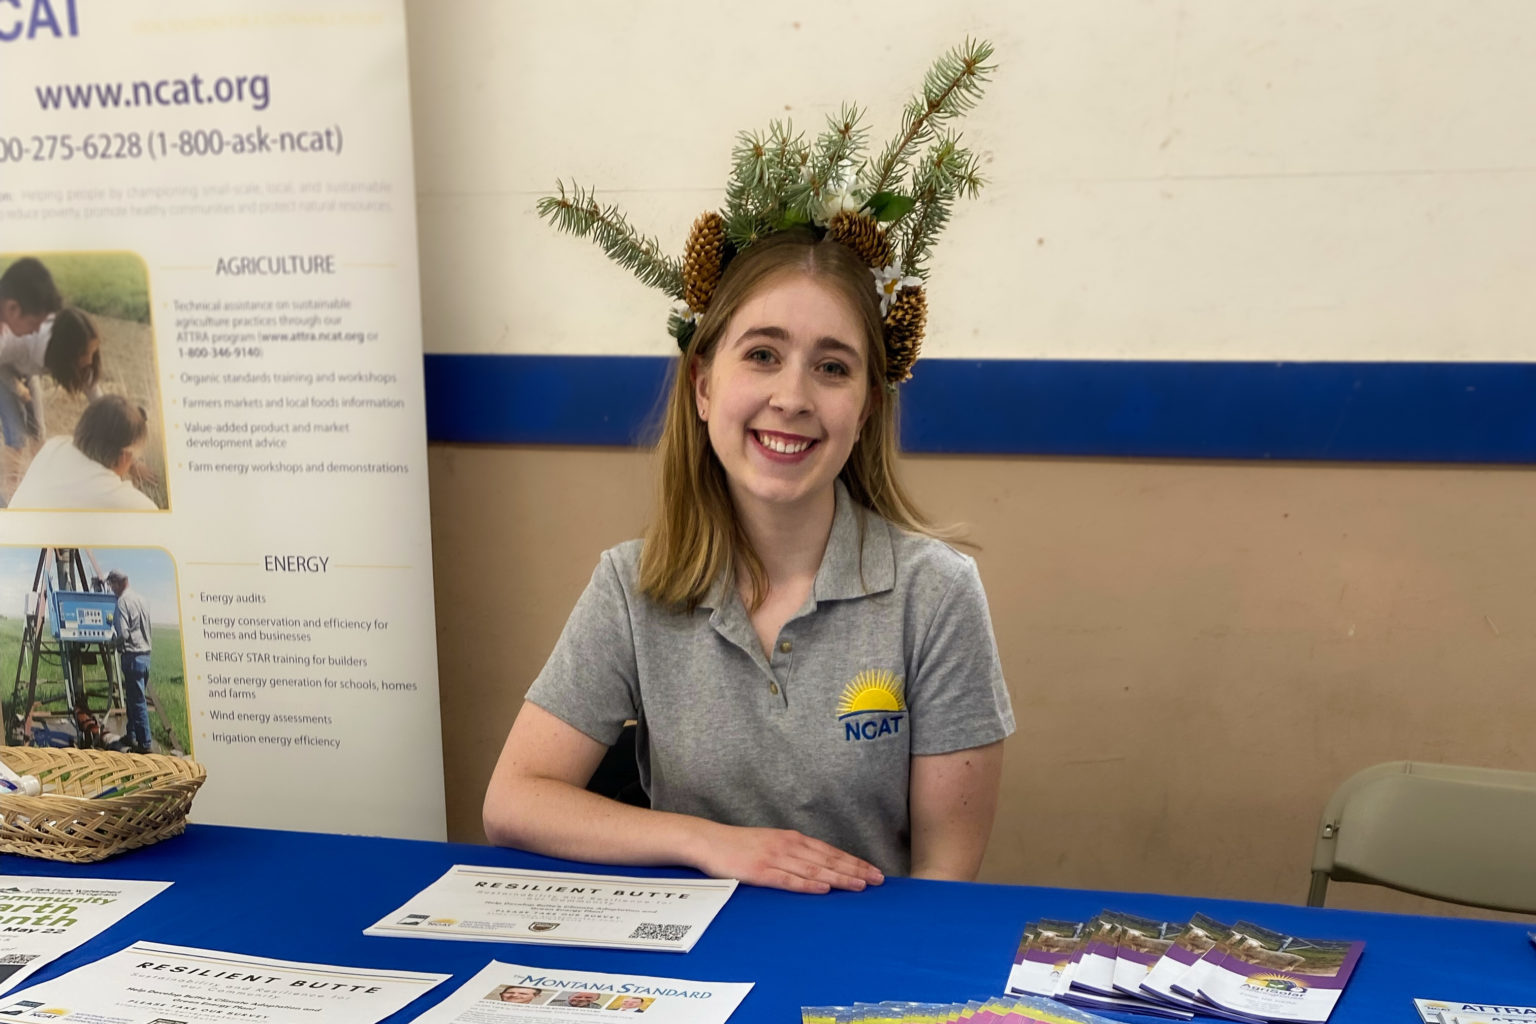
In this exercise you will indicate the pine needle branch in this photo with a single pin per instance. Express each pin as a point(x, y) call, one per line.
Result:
point(579, 213)
point(945, 173)
point(833, 158)
point(953, 85)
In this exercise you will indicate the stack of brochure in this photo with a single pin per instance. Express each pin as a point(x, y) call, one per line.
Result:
point(1177, 969)
point(996, 1010)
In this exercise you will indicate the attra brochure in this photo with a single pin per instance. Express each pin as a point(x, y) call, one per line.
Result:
point(557, 908)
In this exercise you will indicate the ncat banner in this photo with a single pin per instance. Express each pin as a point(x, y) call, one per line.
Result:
point(214, 535)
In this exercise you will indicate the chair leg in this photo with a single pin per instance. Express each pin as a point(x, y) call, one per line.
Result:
point(1319, 891)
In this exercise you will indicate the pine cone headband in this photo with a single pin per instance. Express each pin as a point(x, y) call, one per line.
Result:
point(888, 210)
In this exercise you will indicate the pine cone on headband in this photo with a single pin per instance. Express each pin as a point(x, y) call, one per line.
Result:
point(904, 326)
point(861, 233)
point(703, 260)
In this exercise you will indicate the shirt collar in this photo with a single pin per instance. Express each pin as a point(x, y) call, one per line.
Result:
point(860, 557)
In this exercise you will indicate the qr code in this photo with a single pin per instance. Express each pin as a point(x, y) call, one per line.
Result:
point(17, 958)
point(663, 932)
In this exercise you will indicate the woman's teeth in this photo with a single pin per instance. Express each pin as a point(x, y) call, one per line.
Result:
point(780, 445)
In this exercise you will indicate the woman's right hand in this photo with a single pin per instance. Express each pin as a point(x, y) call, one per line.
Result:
point(782, 859)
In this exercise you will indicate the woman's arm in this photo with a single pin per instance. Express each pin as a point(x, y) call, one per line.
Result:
point(536, 801)
point(953, 801)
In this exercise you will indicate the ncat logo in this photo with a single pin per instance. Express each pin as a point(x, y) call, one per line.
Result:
point(872, 706)
point(28, 19)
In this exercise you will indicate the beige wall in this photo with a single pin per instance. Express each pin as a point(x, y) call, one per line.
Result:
point(1197, 652)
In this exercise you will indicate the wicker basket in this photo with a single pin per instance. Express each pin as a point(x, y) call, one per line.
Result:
point(153, 794)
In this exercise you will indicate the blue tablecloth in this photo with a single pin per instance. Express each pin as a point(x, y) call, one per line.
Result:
point(308, 897)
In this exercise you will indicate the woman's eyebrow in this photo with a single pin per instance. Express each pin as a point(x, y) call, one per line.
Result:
point(763, 331)
point(842, 347)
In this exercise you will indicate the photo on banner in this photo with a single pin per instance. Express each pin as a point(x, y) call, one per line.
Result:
point(71, 675)
point(80, 395)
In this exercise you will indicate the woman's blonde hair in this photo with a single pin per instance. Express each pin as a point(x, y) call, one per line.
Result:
point(695, 538)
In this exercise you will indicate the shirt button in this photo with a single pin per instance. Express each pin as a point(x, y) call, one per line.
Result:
point(773, 688)
point(785, 645)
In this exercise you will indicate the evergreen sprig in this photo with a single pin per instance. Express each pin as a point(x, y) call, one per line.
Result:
point(946, 172)
point(953, 85)
point(579, 213)
point(766, 170)
point(833, 159)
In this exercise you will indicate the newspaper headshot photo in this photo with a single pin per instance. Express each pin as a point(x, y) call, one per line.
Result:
point(80, 415)
point(579, 1000)
point(525, 994)
point(633, 1004)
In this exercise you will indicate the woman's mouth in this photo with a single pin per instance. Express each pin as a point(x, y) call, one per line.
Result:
point(783, 445)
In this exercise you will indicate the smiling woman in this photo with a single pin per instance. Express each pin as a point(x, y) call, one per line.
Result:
point(814, 675)
point(812, 671)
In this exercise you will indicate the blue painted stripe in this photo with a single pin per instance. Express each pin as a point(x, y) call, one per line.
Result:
point(1423, 412)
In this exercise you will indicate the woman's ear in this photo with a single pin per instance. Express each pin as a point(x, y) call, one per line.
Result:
point(698, 375)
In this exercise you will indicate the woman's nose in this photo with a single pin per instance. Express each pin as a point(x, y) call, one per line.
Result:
point(791, 392)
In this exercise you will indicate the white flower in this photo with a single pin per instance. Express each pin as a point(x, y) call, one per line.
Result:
point(889, 281)
point(682, 312)
point(834, 203)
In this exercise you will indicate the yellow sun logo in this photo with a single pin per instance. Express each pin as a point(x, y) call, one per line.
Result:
point(871, 690)
point(1281, 982)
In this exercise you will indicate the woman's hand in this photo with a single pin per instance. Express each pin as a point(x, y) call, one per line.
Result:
point(782, 859)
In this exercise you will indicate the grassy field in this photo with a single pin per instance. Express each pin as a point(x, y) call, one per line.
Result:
point(108, 283)
point(168, 718)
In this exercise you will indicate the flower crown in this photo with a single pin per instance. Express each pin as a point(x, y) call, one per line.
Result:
point(888, 211)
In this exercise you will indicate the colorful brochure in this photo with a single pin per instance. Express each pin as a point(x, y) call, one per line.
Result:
point(1045, 950)
point(516, 994)
point(1276, 977)
point(47, 917)
point(149, 981)
point(1448, 1011)
point(1198, 938)
point(1143, 942)
point(558, 908)
point(996, 1010)
point(1095, 971)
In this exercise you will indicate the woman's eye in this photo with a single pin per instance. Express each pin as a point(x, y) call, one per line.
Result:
point(834, 368)
point(760, 355)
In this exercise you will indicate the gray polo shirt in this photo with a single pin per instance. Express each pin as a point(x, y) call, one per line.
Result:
point(132, 624)
point(891, 656)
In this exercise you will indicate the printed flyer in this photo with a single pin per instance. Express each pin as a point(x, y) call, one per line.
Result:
point(558, 908)
point(151, 982)
point(213, 494)
point(513, 994)
point(43, 918)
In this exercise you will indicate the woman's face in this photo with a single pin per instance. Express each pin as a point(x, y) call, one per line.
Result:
point(17, 322)
point(786, 393)
point(518, 994)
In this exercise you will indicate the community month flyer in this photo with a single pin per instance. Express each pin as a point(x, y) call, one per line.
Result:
point(212, 402)
point(44, 918)
point(532, 995)
point(557, 908)
point(149, 982)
